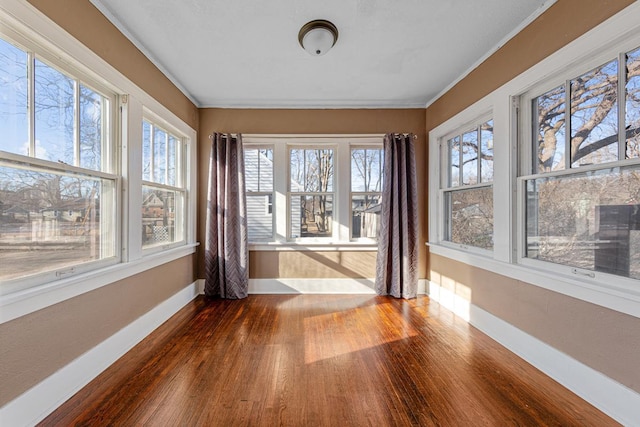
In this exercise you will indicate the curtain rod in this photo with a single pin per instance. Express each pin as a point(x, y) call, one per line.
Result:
point(319, 135)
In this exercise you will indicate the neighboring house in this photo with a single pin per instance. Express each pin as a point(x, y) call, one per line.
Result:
point(259, 180)
point(158, 219)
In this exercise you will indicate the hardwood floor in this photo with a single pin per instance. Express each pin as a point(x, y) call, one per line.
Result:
point(318, 360)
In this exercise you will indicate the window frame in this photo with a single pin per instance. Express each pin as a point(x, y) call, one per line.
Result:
point(181, 180)
point(341, 232)
point(527, 159)
point(291, 194)
point(108, 171)
point(444, 186)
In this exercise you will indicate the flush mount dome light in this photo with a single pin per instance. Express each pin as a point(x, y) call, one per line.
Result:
point(317, 37)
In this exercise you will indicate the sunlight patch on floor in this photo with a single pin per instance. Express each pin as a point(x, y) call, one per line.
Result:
point(336, 330)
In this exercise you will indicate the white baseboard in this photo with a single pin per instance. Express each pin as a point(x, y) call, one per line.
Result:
point(36, 403)
point(614, 399)
point(318, 286)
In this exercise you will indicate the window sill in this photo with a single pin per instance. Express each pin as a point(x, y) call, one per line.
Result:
point(315, 247)
point(599, 292)
point(26, 301)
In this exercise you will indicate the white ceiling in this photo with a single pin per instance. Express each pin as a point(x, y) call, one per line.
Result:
point(390, 53)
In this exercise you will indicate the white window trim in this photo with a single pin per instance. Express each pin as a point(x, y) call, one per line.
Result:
point(443, 184)
point(182, 181)
point(618, 33)
point(341, 144)
point(21, 17)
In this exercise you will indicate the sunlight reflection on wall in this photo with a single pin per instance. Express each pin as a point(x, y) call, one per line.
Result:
point(450, 294)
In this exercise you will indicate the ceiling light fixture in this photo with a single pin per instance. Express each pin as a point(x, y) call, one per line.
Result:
point(317, 37)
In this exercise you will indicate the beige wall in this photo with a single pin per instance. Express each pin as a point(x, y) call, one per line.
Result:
point(606, 340)
point(34, 346)
point(38, 344)
point(282, 121)
point(600, 338)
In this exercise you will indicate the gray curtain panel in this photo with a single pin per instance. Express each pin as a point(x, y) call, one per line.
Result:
point(397, 261)
point(226, 249)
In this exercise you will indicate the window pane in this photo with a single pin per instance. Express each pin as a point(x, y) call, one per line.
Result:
point(470, 158)
point(259, 217)
point(14, 125)
point(311, 216)
point(172, 153)
point(159, 155)
point(162, 222)
point(366, 169)
point(594, 116)
point(258, 169)
point(146, 150)
point(471, 217)
point(588, 220)
point(549, 113)
point(54, 111)
point(51, 221)
point(91, 113)
point(632, 122)
point(486, 136)
point(454, 161)
point(365, 220)
point(311, 170)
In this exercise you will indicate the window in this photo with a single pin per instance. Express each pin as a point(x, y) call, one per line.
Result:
point(58, 180)
point(467, 186)
point(366, 191)
point(582, 204)
point(258, 166)
point(295, 193)
point(311, 196)
point(163, 187)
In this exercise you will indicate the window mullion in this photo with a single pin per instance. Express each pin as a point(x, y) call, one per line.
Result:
point(280, 187)
point(622, 105)
point(152, 131)
point(166, 157)
point(31, 102)
point(478, 152)
point(76, 123)
point(460, 162)
point(567, 125)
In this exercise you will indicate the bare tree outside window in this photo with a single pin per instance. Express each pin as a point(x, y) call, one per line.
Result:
point(574, 218)
point(469, 196)
point(366, 191)
point(50, 216)
point(311, 192)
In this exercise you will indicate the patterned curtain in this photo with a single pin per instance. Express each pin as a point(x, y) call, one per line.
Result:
point(226, 250)
point(397, 261)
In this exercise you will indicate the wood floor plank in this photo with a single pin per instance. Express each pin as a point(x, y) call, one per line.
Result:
point(322, 360)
